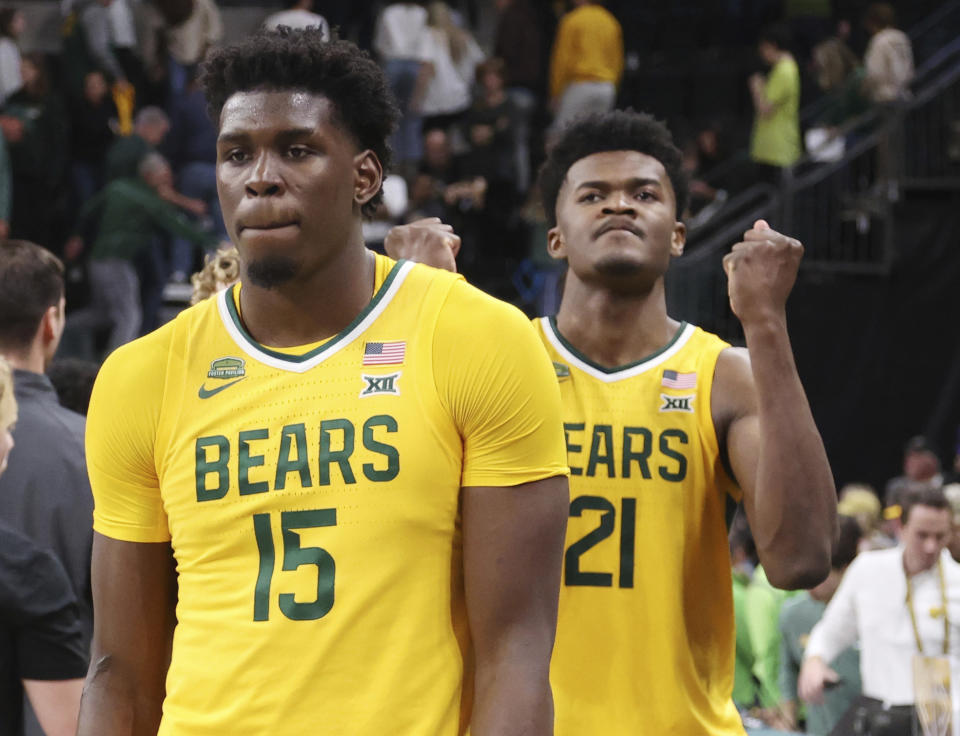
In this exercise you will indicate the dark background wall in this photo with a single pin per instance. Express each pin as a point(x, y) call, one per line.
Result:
point(880, 355)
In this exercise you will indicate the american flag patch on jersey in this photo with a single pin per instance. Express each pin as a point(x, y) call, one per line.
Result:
point(384, 353)
point(672, 379)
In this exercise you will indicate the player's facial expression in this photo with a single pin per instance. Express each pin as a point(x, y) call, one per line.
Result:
point(616, 217)
point(287, 177)
point(924, 536)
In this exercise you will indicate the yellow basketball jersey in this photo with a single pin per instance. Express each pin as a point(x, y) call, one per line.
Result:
point(645, 640)
point(311, 498)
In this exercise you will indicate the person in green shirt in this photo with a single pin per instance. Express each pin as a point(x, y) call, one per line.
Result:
point(775, 141)
point(797, 619)
point(129, 213)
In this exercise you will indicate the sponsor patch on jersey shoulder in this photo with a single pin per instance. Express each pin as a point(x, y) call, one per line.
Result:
point(677, 403)
point(227, 367)
point(562, 371)
point(376, 385)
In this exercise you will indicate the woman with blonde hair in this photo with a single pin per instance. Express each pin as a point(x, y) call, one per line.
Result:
point(453, 56)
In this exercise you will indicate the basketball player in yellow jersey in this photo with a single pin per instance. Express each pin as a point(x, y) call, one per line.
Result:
point(663, 423)
point(332, 499)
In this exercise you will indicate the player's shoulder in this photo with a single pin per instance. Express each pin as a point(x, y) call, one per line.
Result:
point(144, 361)
point(478, 310)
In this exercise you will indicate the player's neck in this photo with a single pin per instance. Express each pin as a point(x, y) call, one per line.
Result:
point(614, 329)
point(313, 308)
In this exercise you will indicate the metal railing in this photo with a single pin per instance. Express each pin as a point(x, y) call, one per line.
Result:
point(842, 210)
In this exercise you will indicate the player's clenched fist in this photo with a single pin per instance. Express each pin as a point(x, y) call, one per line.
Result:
point(761, 271)
point(427, 241)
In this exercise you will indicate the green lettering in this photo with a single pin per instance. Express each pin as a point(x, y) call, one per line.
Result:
point(604, 431)
point(571, 448)
point(245, 461)
point(205, 466)
point(681, 472)
point(388, 451)
point(290, 434)
point(342, 456)
point(641, 457)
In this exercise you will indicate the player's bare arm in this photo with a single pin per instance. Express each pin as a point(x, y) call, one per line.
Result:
point(512, 550)
point(764, 421)
point(428, 241)
point(134, 593)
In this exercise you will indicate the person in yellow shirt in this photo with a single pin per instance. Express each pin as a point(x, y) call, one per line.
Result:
point(586, 62)
point(665, 425)
point(775, 141)
point(331, 499)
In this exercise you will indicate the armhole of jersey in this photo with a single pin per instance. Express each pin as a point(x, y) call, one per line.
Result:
point(725, 480)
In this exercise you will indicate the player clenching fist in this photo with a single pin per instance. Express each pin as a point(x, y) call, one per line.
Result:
point(761, 270)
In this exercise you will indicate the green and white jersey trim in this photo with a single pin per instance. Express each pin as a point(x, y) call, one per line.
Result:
point(611, 375)
point(226, 305)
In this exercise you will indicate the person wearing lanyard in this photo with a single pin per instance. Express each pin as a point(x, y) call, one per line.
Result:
point(900, 604)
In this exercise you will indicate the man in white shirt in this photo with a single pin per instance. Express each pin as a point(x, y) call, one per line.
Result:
point(299, 14)
point(897, 603)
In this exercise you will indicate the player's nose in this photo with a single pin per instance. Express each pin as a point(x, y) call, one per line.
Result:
point(264, 179)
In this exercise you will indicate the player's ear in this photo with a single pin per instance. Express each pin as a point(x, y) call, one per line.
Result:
point(556, 247)
point(368, 176)
point(678, 239)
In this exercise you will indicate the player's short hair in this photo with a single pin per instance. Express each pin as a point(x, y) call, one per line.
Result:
point(300, 59)
point(8, 403)
point(619, 130)
point(931, 497)
point(31, 281)
point(845, 545)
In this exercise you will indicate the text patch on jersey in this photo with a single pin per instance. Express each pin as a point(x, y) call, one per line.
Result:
point(677, 403)
point(376, 385)
point(227, 368)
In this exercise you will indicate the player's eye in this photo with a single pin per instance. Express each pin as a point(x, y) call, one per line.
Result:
point(235, 155)
point(646, 195)
point(590, 197)
point(297, 152)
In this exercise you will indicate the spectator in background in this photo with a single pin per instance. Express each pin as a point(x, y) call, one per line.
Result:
point(93, 119)
point(898, 603)
point(586, 63)
point(797, 618)
point(860, 501)
point(452, 57)
point(921, 471)
point(775, 140)
point(41, 649)
point(95, 24)
point(12, 25)
point(45, 491)
point(220, 270)
point(41, 158)
point(889, 56)
point(73, 379)
point(11, 130)
point(519, 42)
point(188, 40)
point(400, 39)
point(132, 215)
point(840, 76)
point(192, 149)
point(299, 14)
point(952, 493)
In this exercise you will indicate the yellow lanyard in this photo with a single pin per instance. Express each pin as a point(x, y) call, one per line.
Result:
point(946, 616)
